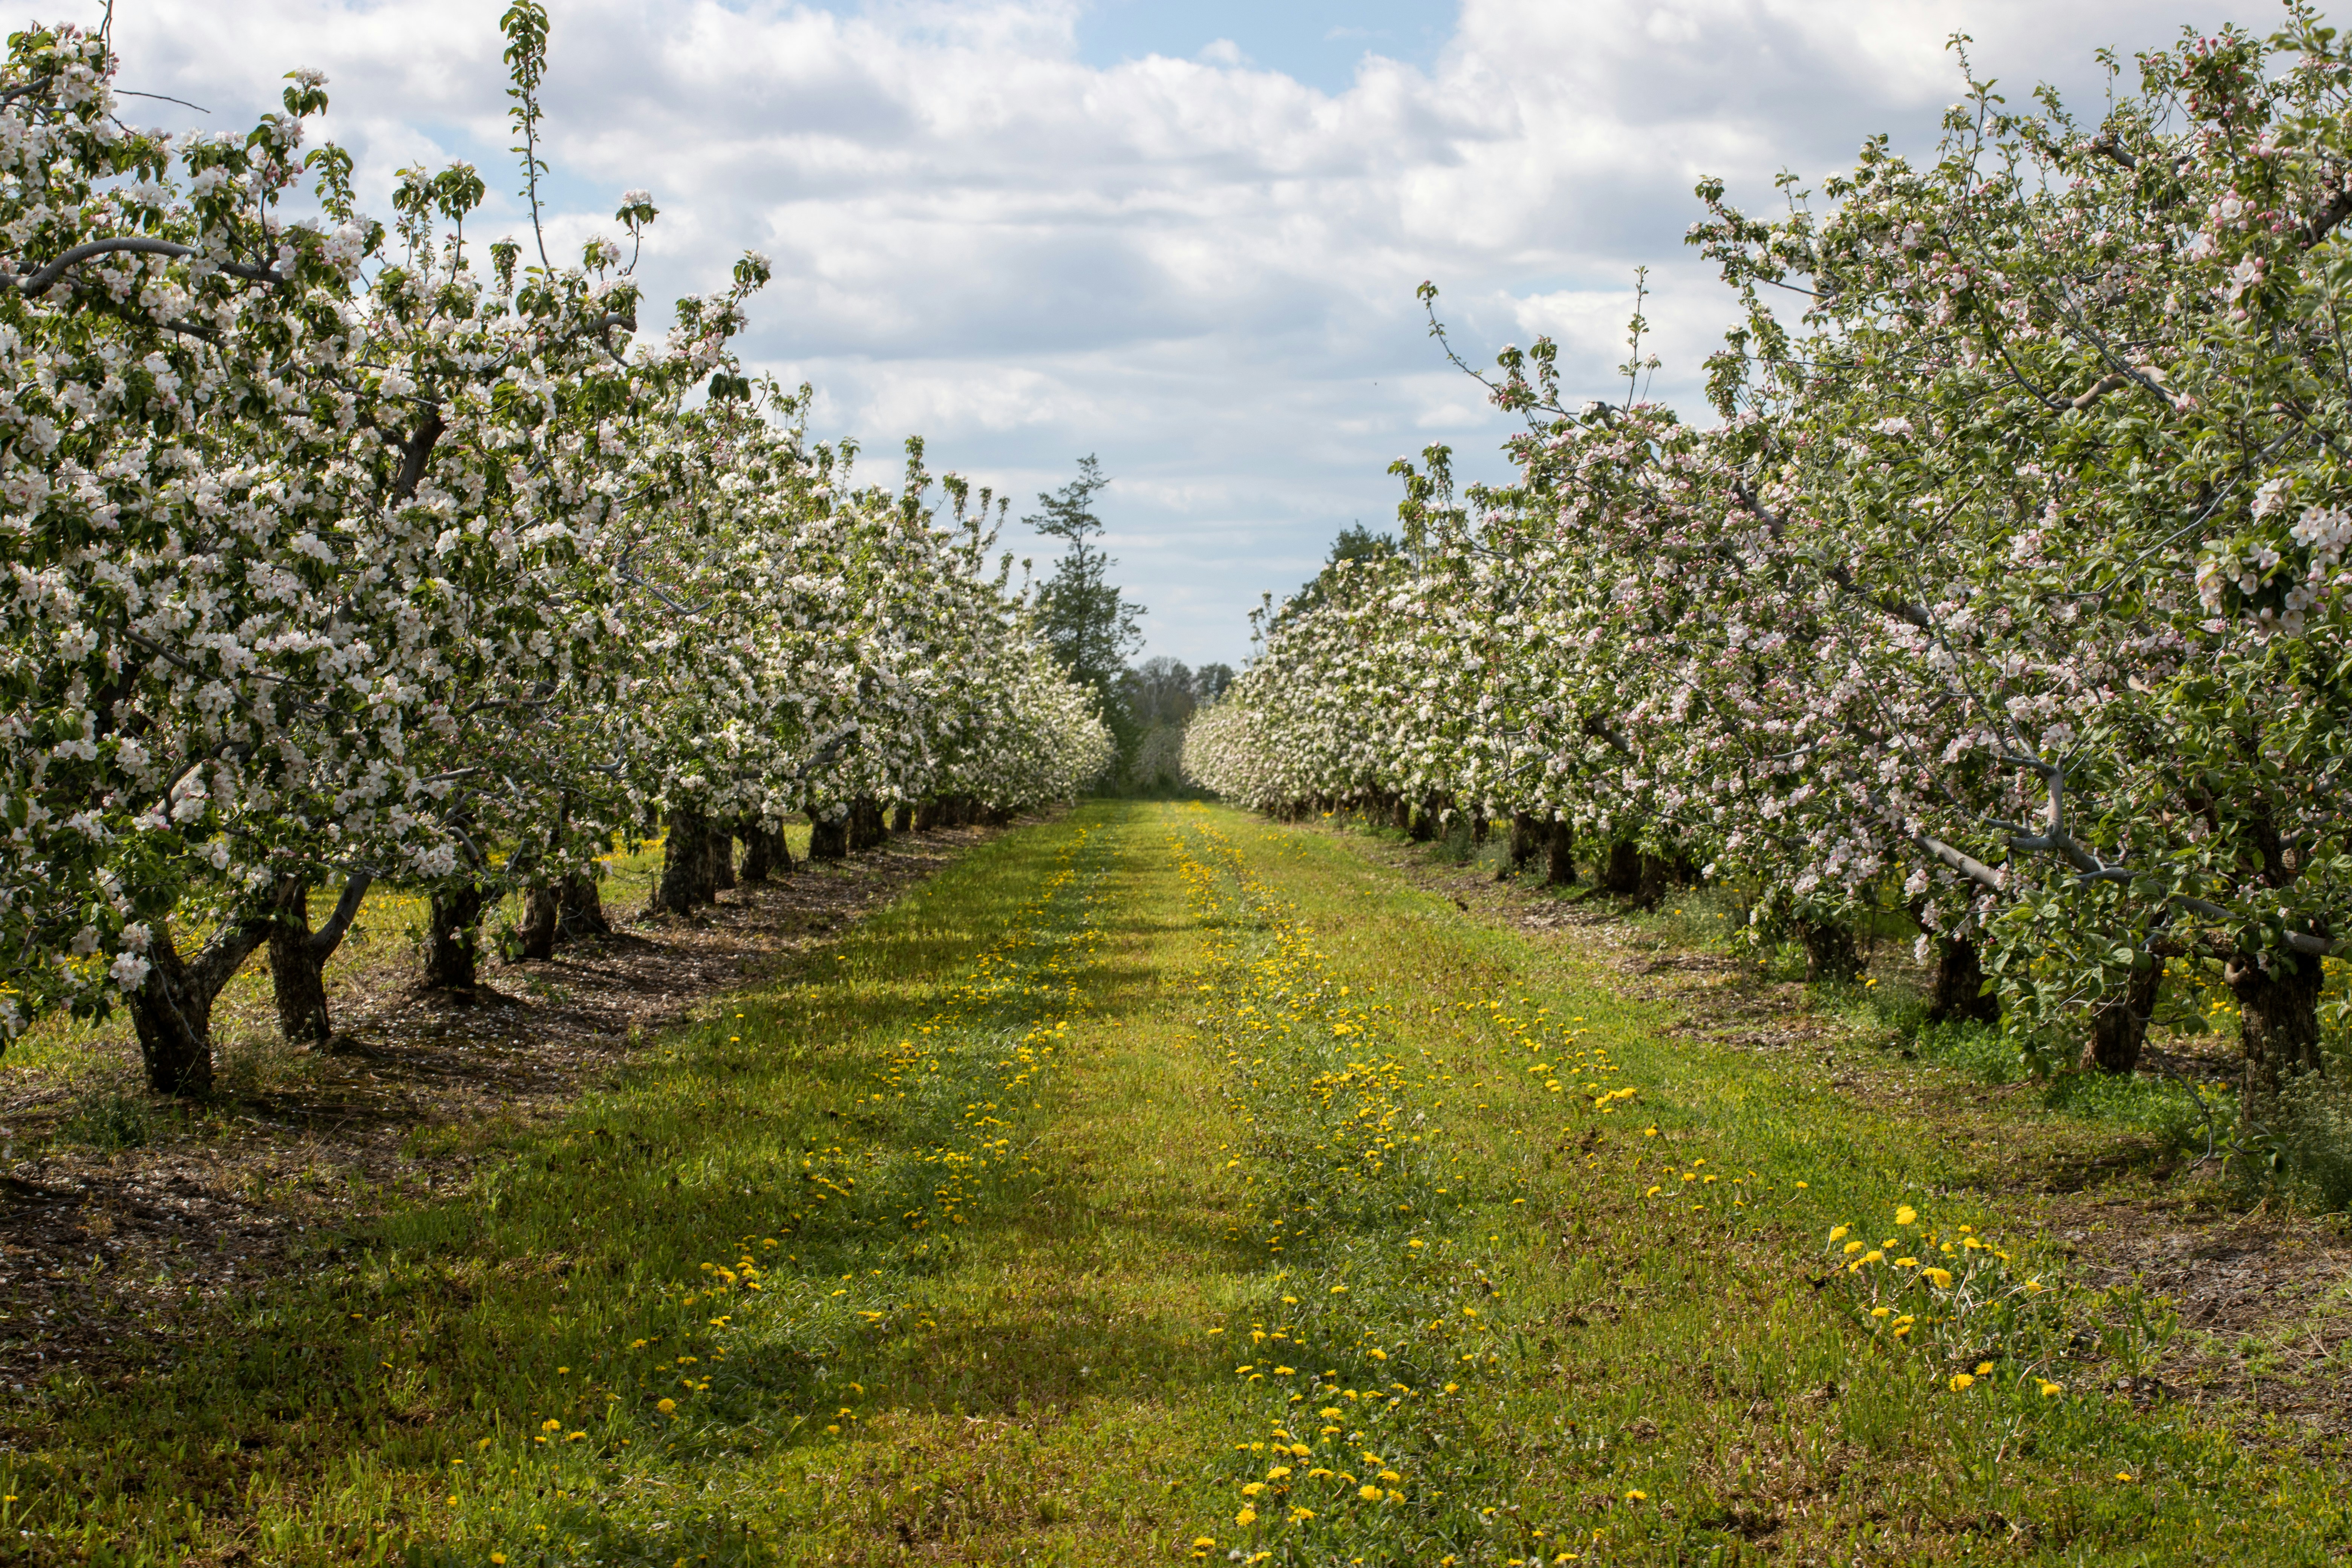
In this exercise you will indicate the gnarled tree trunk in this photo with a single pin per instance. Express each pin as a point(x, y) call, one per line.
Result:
point(685, 864)
point(582, 909)
point(2278, 1015)
point(2119, 1024)
point(1959, 996)
point(1526, 834)
point(1621, 872)
point(765, 853)
point(828, 839)
point(1829, 953)
point(542, 920)
point(720, 840)
point(1560, 857)
point(173, 1009)
point(454, 951)
point(298, 955)
point(902, 818)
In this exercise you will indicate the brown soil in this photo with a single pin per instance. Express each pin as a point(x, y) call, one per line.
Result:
point(2262, 1294)
point(299, 1148)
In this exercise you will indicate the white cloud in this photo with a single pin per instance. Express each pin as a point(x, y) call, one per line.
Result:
point(1198, 267)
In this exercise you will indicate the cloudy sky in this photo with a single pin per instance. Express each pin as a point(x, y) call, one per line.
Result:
point(1185, 237)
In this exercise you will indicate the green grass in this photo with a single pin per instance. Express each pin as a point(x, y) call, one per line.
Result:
point(1038, 1160)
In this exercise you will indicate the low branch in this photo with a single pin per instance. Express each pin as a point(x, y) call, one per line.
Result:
point(1976, 871)
point(225, 953)
point(1967, 865)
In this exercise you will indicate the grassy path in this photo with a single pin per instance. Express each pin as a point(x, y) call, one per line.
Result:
point(1160, 1184)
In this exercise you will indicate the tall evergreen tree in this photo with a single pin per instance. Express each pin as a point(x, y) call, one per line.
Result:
point(1089, 625)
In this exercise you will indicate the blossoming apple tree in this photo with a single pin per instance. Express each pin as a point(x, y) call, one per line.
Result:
point(2009, 581)
point(328, 548)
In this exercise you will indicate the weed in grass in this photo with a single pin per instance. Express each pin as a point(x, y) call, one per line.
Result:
point(2300, 1138)
point(111, 1118)
point(1980, 1051)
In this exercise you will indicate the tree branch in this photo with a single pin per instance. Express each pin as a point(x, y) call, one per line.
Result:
point(2099, 389)
point(328, 937)
point(40, 282)
point(416, 451)
point(2324, 222)
point(1986, 876)
point(2106, 147)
